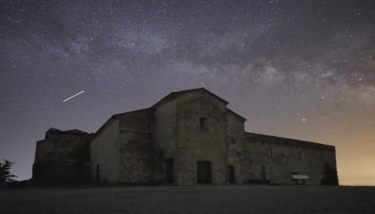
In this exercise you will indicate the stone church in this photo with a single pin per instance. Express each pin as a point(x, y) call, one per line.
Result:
point(187, 138)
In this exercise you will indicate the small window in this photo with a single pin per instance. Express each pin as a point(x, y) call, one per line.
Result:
point(97, 173)
point(270, 153)
point(302, 155)
point(203, 122)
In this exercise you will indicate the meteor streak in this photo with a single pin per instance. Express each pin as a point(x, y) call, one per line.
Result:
point(73, 96)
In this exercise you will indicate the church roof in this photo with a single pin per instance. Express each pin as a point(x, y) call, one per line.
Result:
point(175, 94)
point(234, 113)
point(70, 130)
point(112, 119)
point(288, 141)
point(75, 131)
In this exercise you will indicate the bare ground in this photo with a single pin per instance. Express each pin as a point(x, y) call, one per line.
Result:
point(195, 199)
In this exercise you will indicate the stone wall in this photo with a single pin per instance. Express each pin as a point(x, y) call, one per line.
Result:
point(104, 155)
point(166, 137)
point(62, 156)
point(238, 157)
point(201, 136)
point(139, 161)
point(277, 159)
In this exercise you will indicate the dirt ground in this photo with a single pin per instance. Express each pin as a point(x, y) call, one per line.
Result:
point(190, 199)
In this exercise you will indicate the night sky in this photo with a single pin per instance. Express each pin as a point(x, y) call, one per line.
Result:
point(296, 69)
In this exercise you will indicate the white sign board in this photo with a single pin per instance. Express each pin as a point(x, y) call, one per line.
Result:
point(300, 177)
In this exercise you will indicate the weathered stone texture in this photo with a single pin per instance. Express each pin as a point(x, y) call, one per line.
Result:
point(165, 137)
point(139, 161)
point(238, 155)
point(62, 156)
point(280, 158)
point(104, 155)
point(201, 136)
point(166, 128)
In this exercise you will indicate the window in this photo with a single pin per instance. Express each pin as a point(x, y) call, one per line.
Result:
point(97, 173)
point(302, 155)
point(270, 153)
point(203, 122)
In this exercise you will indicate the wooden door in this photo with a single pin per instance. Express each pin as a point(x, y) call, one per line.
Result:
point(170, 170)
point(203, 172)
point(231, 174)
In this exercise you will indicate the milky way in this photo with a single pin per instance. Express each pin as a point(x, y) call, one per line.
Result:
point(295, 69)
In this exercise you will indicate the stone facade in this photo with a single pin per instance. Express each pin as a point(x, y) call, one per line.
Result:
point(62, 157)
point(191, 137)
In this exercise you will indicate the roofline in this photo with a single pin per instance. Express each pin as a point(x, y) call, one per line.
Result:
point(111, 120)
point(292, 142)
point(120, 114)
point(76, 131)
point(231, 111)
point(171, 96)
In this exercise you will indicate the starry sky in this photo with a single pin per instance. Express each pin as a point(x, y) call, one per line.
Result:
point(296, 69)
